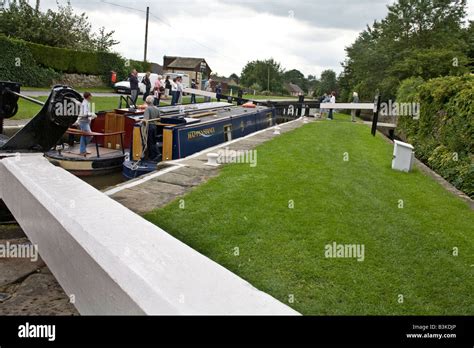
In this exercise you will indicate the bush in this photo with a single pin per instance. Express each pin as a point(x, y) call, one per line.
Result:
point(18, 64)
point(52, 60)
point(444, 135)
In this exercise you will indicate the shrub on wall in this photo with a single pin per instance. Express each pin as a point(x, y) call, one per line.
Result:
point(444, 135)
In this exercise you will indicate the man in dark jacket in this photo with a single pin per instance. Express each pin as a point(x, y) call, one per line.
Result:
point(147, 82)
point(134, 86)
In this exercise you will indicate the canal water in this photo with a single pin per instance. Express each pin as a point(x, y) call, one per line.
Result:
point(102, 182)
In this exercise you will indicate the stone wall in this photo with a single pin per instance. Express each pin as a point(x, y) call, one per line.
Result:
point(80, 81)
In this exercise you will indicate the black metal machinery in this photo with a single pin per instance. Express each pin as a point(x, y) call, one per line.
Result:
point(41, 133)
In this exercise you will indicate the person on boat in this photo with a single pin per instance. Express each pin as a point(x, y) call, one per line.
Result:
point(134, 86)
point(147, 82)
point(84, 121)
point(151, 113)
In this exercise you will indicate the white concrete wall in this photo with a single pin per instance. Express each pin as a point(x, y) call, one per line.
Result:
point(111, 259)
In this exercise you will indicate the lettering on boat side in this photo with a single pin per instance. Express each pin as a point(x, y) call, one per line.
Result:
point(207, 132)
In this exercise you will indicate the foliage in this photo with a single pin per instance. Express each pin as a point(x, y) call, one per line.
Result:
point(296, 77)
point(61, 28)
point(18, 64)
point(266, 73)
point(444, 135)
point(424, 38)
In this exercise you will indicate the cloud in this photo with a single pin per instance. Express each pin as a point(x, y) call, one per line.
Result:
point(307, 35)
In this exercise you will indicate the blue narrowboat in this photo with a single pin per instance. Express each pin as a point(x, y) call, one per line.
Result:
point(186, 132)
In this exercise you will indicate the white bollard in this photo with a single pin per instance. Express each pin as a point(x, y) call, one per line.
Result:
point(212, 159)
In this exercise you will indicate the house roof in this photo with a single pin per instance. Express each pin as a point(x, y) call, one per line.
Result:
point(291, 87)
point(184, 62)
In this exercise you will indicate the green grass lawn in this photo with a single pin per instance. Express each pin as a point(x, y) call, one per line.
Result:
point(408, 251)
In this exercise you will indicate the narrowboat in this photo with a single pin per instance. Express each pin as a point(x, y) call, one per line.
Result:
point(196, 128)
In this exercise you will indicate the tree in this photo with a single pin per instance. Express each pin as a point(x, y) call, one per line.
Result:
point(266, 73)
point(60, 28)
point(103, 41)
point(328, 82)
point(296, 77)
point(422, 38)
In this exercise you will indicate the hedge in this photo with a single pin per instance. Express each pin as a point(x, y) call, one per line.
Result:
point(65, 60)
point(444, 134)
point(18, 64)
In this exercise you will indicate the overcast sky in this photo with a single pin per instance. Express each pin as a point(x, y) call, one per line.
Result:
point(308, 35)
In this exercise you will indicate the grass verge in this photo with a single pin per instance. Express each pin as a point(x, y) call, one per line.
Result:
point(409, 226)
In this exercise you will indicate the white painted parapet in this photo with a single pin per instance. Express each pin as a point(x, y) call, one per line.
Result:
point(112, 260)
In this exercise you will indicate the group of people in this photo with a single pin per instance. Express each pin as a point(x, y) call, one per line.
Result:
point(164, 89)
point(331, 98)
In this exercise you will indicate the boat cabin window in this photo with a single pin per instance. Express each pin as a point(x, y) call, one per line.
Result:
point(228, 132)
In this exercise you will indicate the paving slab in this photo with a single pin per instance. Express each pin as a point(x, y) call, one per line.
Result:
point(14, 269)
point(39, 294)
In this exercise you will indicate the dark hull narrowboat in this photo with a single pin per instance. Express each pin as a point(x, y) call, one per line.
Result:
point(182, 135)
point(108, 161)
point(188, 138)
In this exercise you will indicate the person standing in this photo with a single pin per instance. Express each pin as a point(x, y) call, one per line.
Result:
point(218, 91)
point(174, 90)
point(193, 96)
point(179, 90)
point(324, 99)
point(355, 99)
point(158, 89)
point(147, 82)
point(332, 100)
point(208, 88)
point(134, 86)
point(167, 87)
point(84, 120)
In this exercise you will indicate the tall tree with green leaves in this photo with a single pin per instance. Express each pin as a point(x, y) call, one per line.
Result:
point(58, 28)
point(424, 38)
point(267, 74)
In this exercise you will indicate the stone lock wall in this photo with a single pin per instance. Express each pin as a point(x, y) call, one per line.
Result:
point(80, 81)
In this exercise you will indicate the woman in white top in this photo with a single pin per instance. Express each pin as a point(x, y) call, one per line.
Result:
point(84, 120)
point(174, 91)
